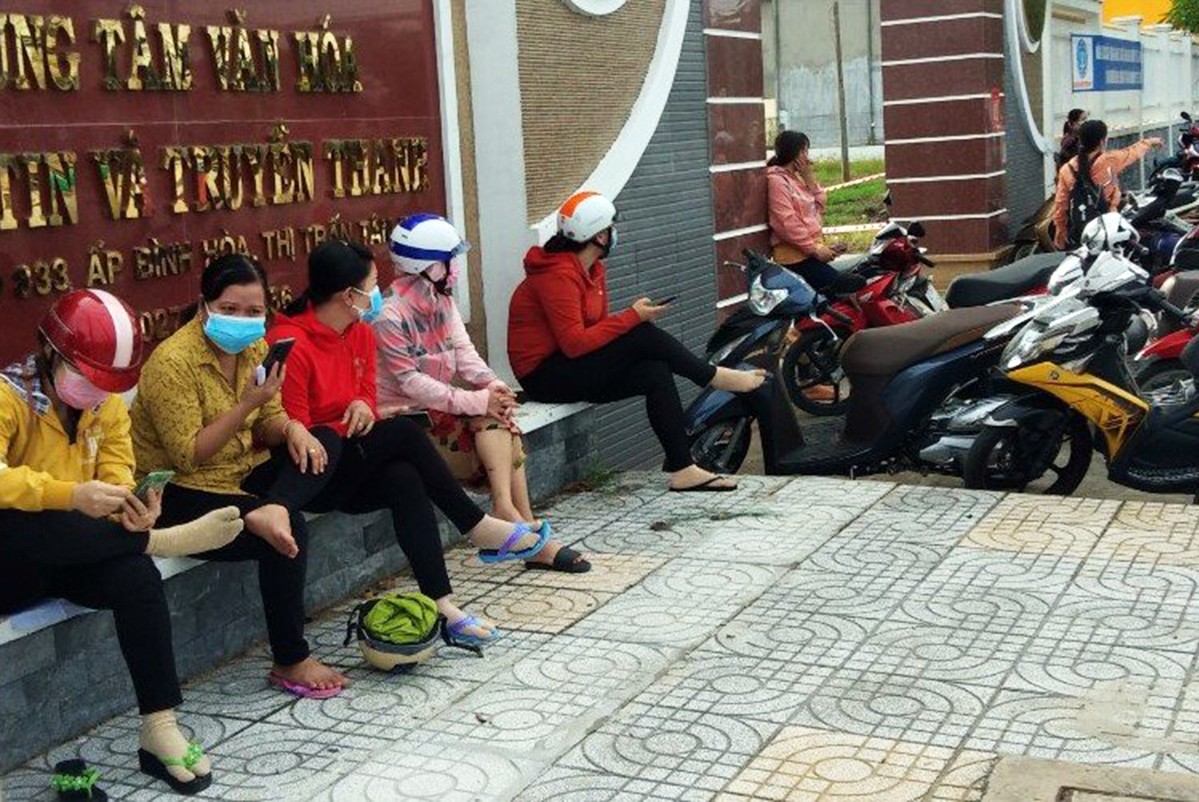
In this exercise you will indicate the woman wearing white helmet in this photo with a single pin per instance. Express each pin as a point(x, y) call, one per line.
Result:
point(565, 347)
point(427, 362)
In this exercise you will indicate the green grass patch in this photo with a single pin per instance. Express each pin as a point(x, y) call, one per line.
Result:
point(828, 171)
point(861, 203)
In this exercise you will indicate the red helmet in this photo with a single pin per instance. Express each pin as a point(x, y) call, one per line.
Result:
point(97, 333)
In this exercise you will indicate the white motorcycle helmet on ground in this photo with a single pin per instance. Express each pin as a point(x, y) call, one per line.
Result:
point(421, 242)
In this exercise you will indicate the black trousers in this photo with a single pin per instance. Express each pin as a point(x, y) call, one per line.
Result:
point(395, 467)
point(280, 578)
point(95, 563)
point(820, 275)
point(644, 362)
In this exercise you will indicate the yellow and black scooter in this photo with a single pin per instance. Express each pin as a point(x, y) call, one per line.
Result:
point(1070, 384)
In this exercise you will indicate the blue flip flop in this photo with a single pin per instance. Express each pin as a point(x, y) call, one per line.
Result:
point(505, 554)
point(460, 638)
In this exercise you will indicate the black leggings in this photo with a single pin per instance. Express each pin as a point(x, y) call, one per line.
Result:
point(396, 467)
point(97, 564)
point(819, 275)
point(280, 578)
point(642, 362)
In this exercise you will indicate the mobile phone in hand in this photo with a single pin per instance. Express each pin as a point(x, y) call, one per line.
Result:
point(667, 300)
point(277, 355)
point(155, 480)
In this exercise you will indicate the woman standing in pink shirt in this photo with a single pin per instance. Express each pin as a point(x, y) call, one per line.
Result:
point(427, 362)
point(796, 205)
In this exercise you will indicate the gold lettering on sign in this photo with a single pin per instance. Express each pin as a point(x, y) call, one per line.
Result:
point(64, 70)
point(326, 63)
point(171, 71)
point(240, 66)
point(313, 235)
point(63, 205)
point(214, 176)
point(8, 169)
point(41, 278)
point(161, 261)
point(226, 243)
point(48, 191)
point(35, 42)
point(103, 266)
point(378, 167)
point(280, 243)
point(123, 177)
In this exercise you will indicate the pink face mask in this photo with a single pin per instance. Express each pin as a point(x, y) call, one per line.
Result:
point(76, 391)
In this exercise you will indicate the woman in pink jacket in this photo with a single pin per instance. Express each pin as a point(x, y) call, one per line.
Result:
point(796, 203)
point(427, 362)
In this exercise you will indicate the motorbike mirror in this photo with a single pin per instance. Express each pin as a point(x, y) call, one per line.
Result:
point(916, 229)
point(1186, 115)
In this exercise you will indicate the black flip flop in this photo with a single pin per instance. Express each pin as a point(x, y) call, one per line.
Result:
point(566, 560)
point(151, 764)
point(708, 486)
point(75, 782)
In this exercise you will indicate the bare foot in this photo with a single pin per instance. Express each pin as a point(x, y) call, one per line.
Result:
point(453, 614)
point(693, 476)
point(738, 381)
point(272, 523)
point(314, 674)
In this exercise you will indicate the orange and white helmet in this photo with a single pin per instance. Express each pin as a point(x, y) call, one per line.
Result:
point(585, 215)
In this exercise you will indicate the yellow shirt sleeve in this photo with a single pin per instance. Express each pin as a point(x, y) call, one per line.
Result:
point(114, 462)
point(172, 402)
point(21, 487)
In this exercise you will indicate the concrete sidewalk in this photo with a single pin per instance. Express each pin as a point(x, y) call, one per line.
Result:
point(808, 639)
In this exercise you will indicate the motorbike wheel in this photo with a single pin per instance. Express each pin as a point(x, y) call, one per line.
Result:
point(721, 447)
point(1162, 374)
point(812, 366)
point(996, 462)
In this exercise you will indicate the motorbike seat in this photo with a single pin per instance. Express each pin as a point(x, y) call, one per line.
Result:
point(1010, 281)
point(888, 350)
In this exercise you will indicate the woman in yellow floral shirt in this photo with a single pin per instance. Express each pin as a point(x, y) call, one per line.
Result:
point(204, 412)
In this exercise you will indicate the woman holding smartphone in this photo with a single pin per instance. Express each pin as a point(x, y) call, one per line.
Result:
point(565, 347)
point(381, 463)
point(796, 204)
point(70, 525)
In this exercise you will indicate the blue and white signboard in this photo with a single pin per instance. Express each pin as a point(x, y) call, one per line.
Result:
point(1105, 64)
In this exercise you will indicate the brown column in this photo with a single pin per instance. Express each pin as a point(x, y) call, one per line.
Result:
point(943, 73)
point(736, 126)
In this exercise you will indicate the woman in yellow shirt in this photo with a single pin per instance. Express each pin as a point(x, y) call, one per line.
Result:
point(70, 525)
point(204, 411)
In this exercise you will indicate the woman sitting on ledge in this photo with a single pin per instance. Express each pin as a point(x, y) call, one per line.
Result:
point(565, 347)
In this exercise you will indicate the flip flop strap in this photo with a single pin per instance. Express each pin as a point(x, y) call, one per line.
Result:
point(190, 758)
point(66, 783)
point(520, 531)
point(462, 623)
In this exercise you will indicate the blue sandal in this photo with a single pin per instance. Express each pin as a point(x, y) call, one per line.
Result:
point(505, 554)
point(460, 638)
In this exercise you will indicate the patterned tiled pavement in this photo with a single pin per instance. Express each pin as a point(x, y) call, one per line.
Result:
point(807, 639)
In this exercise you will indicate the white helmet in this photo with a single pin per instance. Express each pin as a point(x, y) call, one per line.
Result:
point(421, 240)
point(1109, 232)
point(584, 215)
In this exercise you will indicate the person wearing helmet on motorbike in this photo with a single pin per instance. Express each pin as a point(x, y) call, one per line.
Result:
point(796, 203)
point(565, 347)
point(429, 363)
point(380, 464)
point(1102, 166)
point(204, 411)
point(70, 525)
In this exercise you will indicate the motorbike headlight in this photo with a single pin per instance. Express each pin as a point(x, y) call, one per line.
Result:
point(762, 300)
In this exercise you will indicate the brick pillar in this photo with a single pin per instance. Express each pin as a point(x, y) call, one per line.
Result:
point(943, 73)
point(736, 128)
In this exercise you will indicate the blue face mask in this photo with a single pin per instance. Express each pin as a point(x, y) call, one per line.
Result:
point(371, 314)
point(231, 333)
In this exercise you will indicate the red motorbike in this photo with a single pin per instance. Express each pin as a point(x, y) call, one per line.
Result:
point(1159, 364)
point(885, 287)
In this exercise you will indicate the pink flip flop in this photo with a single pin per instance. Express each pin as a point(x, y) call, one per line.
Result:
point(301, 690)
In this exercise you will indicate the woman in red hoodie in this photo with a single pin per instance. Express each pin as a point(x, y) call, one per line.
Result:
point(380, 464)
point(565, 347)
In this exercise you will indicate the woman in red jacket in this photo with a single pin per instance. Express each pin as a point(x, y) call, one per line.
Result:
point(380, 464)
point(565, 347)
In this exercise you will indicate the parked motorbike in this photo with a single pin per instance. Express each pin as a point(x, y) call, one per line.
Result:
point(1159, 364)
point(901, 375)
point(1186, 158)
point(884, 288)
point(1071, 373)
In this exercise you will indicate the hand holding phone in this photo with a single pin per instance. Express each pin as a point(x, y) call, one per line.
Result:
point(155, 480)
point(667, 300)
point(277, 355)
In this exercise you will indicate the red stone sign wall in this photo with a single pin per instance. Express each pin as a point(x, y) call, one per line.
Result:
point(136, 141)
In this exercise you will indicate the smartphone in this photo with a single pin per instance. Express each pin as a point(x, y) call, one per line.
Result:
point(155, 480)
point(667, 300)
point(417, 416)
point(277, 355)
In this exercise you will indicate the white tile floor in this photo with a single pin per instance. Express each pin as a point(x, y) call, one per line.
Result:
point(808, 639)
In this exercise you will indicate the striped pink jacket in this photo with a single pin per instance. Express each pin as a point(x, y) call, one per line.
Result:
point(426, 358)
